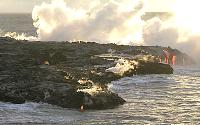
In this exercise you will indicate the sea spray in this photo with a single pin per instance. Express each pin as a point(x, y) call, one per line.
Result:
point(122, 66)
point(91, 91)
point(22, 36)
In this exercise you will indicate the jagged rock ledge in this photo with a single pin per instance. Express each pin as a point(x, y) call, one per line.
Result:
point(70, 74)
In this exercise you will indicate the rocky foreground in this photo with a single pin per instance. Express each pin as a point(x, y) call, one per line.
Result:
point(72, 74)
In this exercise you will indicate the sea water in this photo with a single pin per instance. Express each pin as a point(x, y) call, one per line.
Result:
point(19, 23)
point(151, 99)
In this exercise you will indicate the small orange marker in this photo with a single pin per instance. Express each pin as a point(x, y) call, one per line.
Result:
point(82, 109)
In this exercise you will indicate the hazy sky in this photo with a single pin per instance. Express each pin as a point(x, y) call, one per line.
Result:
point(16, 6)
point(26, 6)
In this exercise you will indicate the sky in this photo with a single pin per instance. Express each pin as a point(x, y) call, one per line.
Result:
point(26, 6)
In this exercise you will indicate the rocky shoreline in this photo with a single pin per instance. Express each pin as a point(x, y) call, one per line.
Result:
point(72, 74)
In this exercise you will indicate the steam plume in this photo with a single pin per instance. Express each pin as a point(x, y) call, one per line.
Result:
point(116, 21)
point(111, 22)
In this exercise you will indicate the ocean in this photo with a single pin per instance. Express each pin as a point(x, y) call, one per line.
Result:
point(19, 23)
point(151, 99)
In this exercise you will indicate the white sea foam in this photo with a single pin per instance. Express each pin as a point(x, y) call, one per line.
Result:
point(22, 36)
point(91, 91)
point(122, 66)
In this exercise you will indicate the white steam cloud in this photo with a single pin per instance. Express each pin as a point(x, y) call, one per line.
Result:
point(111, 22)
point(180, 31)
point(167, 33)
point(117, 21)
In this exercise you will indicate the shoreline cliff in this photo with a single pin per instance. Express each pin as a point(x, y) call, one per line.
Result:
point(76, 74)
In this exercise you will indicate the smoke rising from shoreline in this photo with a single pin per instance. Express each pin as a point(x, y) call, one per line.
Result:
point(112, 22)
point(166, 33)
point(116, 21)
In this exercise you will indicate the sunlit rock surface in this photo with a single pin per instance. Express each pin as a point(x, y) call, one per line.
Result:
point(71, 74)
